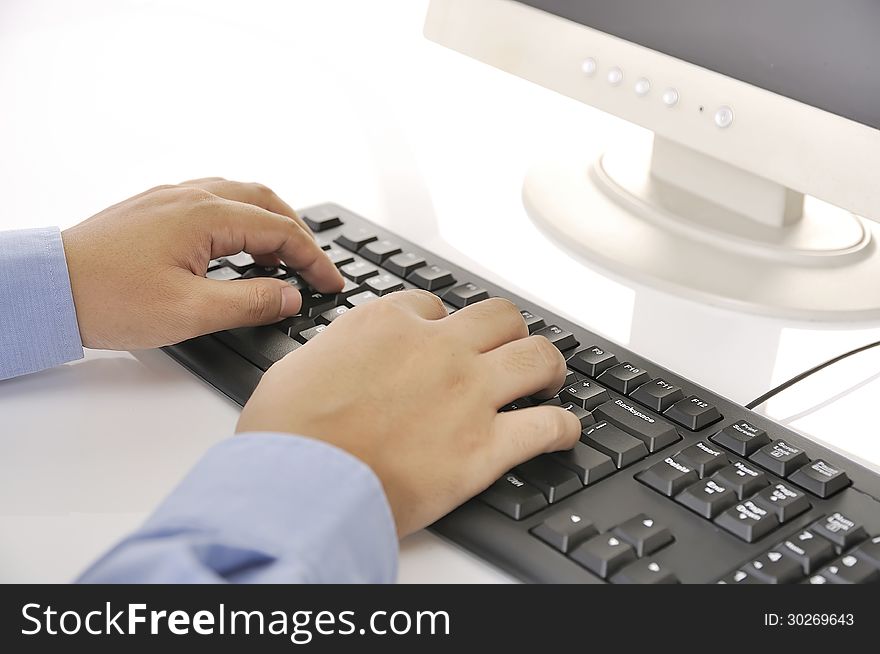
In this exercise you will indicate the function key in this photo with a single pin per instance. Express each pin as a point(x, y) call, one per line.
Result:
point(384, 284)
point(668, 476)
point(588, 464)
point(644, 571)
point(840, 530)
point(465, 294)
point(624, 377)
point(562, 339)
point(808, 549)
point(644, 534)
point(431, 278)
point(708, 498)
point(849, 569)
point(318, 222)
point(533, 322)
point(747, 521)
point(513, 497)
point(223, 274)
point(404, 263)
point(774, 568)
point(658, 394)
point(550, 478)
point(780, 458)
point(586, 394)
point(378, 251)
point(820, 478)
point(702, 458)
point(565, 530)
point(604, 554)
point(620, 446)
point(745, 479)
point(592, 361)
point(693, 412)
point(783, 500)
point(359, 271)
point(355, 238)
point(741, 437)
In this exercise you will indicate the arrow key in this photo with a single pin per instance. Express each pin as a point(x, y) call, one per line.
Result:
point(774, 568)
point(644, 534)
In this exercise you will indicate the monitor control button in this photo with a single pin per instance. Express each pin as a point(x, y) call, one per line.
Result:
point(588, 67)
point(642, 86)
point(724, 116)
point(670, 97)
point(615, 76)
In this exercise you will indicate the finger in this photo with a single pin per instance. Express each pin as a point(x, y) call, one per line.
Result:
point(251, 193)
point(490, 323)
point(219, 305)
point(528, 366)
point(238, 226)
point(201, 180)
point(422, 303)
point(521, 435)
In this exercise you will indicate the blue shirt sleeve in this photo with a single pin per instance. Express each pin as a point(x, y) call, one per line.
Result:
point(38, 327)
point(264, 508)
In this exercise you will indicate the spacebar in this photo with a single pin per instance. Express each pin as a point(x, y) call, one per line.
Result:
point(262, 346)
point(631, 418)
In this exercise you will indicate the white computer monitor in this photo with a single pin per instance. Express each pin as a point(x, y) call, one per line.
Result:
point(761, 181)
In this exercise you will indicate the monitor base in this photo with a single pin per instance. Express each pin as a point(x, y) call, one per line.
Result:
point(743, 243)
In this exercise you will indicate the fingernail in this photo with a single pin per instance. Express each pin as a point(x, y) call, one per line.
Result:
point(291, 301)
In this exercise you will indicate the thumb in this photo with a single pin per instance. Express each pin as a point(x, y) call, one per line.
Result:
point(242, 303)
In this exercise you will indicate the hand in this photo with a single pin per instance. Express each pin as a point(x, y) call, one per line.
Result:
point(137, 269)
point(415, 395)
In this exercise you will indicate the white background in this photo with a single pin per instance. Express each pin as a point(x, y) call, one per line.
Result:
point(333, 100)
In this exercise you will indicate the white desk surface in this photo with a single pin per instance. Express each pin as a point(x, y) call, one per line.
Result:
point(339, 100)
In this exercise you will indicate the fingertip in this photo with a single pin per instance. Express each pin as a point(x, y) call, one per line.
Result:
point(291, 301)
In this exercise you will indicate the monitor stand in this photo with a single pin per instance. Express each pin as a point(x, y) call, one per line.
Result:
point(670, 217)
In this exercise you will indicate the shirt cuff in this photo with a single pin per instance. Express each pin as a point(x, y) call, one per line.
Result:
point(38, 327)
point(315, 512)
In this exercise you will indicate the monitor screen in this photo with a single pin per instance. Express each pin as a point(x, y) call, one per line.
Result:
point(822, 53)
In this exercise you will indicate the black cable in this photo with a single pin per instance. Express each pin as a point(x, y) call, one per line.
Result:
point(798, 378)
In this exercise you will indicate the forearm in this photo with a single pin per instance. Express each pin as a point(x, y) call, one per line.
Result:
point(264, 508)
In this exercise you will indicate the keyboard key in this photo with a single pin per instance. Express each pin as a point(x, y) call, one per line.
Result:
point(784, 500)
point(533, 322)
point(808, 550)
point(739, 578)
point(645, 571)
point(553, 401)
point(513, 497)
point(465, 294)
point(707, 498)
point(624, 377)
point(384, 284)
point(431, 278)
point(655, 433)
point(603, 555)
point(588, 464)
point(693, 412)
point(378, 251)
point(620, 446)
point(562, 339)
point(871, 550)
point(746, 480)
point(774, 568)
point(359, 271)
point(314, 303)
point(703, 458)
point(582, 414)
point(404, 263)
point(521, 403)
point(332, 314)
point(585, 394)
point(213, 264)
point(658, 394)
point(741, 437)
point(355, 238)
point(241, 261)
point(780, 458)
point(348, 289)
point(747, 521)
point(820, 478)
point(592, 361)
point(308, 334)
point(644, 534)
point(570, 378)
point(320, 222)
point(550, 478)
point(848, 569)
point(339, 257)
point(842, 531)
point(264, 271)
point(361, 298)
point(262, 346)
point(565, 530)
point(668, 477)
point(223, 274)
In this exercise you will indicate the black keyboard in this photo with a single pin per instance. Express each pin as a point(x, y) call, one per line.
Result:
point(669, 483)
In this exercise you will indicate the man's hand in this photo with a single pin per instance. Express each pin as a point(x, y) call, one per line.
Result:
point(415, 395)
point(137, 269)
